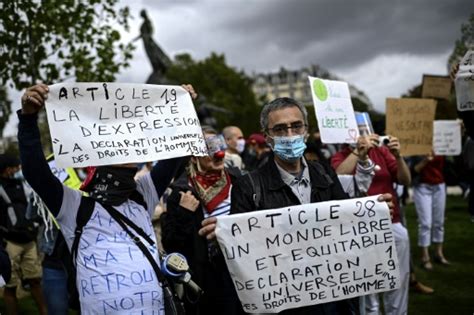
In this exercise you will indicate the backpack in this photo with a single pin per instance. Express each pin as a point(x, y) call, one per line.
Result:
point(17, 227)
point(173, 305)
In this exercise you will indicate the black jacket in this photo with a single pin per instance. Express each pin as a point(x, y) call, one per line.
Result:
point(274, 193)
point(180, 234)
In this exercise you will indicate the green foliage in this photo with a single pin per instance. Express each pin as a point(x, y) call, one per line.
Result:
point(462, 44)
point(222, 86)
point(359, 106)
point(49, 41)
point(5, 109)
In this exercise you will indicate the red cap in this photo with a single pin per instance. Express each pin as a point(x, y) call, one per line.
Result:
point(256, 138)
point(90, 175)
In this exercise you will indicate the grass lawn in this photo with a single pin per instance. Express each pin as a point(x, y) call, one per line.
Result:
point(454, 285)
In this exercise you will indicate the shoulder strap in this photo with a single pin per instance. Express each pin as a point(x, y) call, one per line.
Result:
point(321, 170)
point(123, 221)
point(256, 192)
point(4, 195)
point(138, 198)
point(84, 213)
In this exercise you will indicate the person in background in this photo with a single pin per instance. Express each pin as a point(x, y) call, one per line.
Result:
point(313, 152)
point(429, 196)
point(20, 235)
point(235, 141)
point(256, 153)
point(392, 169)
point(202, 191)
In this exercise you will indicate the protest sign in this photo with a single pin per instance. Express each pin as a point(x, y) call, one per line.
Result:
point(309, 254)
point(411, 121)
point(436, 86)
point(59, 172)
point(364, 124)
point(94, 124)
point(447, 137)
point(464, 83)
point(334, 111)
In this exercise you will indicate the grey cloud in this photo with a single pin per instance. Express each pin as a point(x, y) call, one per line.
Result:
point(365, 28)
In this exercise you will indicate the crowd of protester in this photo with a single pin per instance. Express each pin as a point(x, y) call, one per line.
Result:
point(281, 166)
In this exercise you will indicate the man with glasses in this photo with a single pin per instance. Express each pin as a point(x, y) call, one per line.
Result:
point(287, 179)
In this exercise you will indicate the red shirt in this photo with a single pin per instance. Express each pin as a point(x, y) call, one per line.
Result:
point(432, 173)
point(383, 179)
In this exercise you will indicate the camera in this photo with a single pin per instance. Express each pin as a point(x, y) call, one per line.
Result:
point(384, 140)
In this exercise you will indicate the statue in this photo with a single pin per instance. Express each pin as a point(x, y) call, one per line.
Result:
point(158, 58)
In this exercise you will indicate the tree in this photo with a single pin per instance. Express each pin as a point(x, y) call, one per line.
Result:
point(463, 44)
point(228, 93)
point(5, 109)
point(53, 40)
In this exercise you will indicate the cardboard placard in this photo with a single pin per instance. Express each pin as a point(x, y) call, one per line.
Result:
point(436, 86)
point(411, 121)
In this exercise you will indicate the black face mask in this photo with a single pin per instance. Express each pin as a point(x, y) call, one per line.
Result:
point(113, 185)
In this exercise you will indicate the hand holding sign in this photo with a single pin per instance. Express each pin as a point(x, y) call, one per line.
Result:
point(33, 99)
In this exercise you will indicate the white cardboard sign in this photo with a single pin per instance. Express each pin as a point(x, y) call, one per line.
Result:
point(447, 137)
point(309, 254)
point(464, 83)
point(94, 124)
point(334, 111)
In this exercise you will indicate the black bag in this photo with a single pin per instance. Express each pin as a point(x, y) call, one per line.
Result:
point(173, 305)
point(18, 228)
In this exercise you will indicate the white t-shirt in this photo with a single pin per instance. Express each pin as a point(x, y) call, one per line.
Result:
point(113, 275)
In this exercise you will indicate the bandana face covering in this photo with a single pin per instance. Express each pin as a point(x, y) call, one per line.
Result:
point(113, 185)
point(212, 187)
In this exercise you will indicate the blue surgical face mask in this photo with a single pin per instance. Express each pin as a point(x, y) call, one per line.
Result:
point(19, 175)
point(289, 149)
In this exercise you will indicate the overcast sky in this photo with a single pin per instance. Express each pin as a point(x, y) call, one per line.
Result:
point(381, 47)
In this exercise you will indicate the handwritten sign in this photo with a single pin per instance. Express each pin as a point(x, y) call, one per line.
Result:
point(96, 124)
point(333, 106)
point(59, 172)
point(411, 121)
point(436, 86)
point(309, 254)
point(464, 83)
point(447, 137)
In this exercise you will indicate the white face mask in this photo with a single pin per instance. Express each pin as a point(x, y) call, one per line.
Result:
point(240, 145)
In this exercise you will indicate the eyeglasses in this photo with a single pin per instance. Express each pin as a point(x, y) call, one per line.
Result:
point(282, 129)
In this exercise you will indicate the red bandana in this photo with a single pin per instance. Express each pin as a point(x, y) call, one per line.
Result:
point(212, 188)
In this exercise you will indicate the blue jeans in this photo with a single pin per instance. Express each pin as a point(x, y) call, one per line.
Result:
point(55, 288)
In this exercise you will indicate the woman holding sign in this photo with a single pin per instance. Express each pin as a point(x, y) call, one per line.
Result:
point(392, 169)
point(201, 192)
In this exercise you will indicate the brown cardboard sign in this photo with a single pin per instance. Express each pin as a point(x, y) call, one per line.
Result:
point(436, 86)
point(411, 121)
